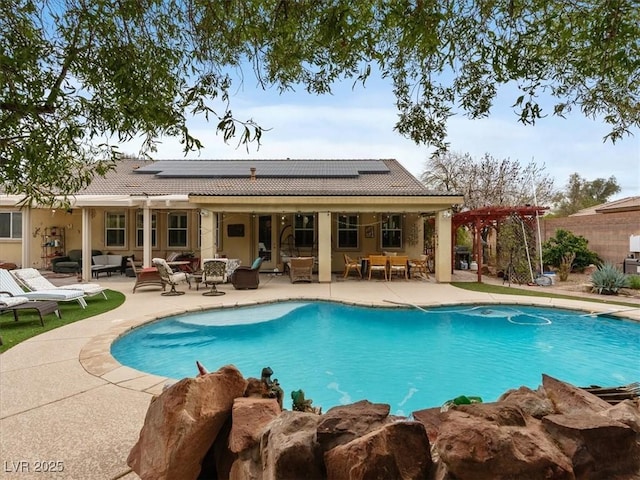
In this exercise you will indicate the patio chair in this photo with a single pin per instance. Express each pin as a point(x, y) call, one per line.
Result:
point(418, 267)
point(378, 263)
point(245, 277)
point(169, 277)
point(9, 284)
point(146, 277)
point(398, 265)
point(33, 280)
point(301, 269)
point(10, 303)
point(213, 272)
point(351, 265)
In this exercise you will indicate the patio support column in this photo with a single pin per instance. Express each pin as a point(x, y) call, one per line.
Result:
point(146, 236)
point(25, 254)
point(208, 227)
point(443, 246)
point(86, 244)
point(324, 247)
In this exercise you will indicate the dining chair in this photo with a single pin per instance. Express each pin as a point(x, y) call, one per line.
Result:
point(418, 267)
point(351, 265)
point(378, 263)
point(398, 265)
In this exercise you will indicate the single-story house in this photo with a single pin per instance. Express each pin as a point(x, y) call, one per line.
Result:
point(238, 208)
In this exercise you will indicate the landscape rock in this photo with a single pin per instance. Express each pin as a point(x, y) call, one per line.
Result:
point(531, 402)
point(477, 447)
point(569, 399)
point(250, 416)
point(431, 418)
point(342, 424)
point(289, 450)
point(182, 423)
point(599, 448)
point(397, 450)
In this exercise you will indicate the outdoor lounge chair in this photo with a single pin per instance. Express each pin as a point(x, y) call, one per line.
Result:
point(169, 277)
point(33, 280)
point(146, 277)
point(245, 277)
point(9, 303)
point(9, 284)
point(214, 271)
point(301, 269)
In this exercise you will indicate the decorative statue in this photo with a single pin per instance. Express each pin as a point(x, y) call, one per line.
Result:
point(300, 404)
point(272, 386)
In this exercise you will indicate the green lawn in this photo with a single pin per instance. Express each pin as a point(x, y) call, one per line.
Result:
point(490, 288)
point(28, 324)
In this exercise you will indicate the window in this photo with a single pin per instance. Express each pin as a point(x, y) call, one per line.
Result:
point(140, 229)
point(304, 230)
point(177, 229)
point(11, 225)
point(347, 231)
point(391, 229)
point(115, 229)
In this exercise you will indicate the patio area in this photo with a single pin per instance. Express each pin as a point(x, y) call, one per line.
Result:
point(65, 399)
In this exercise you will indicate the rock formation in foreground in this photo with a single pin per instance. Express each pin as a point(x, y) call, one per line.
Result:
point(221, 426)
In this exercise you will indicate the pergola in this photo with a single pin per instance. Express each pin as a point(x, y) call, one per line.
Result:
point(491, 217)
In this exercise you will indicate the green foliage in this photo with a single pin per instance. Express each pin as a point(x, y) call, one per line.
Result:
point(77, 78)
point(634, 282)
point(608, 280)
point(514, 237)
point(581, 193)
point(565, 242)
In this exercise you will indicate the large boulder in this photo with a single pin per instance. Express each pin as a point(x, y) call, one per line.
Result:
point(182, 423)
point(569, 399)
point(397, 450)
point(498, 442)
point(599, 448)
point(344, 423)
point(288, 448)
point(431, 418)
point(250, 416)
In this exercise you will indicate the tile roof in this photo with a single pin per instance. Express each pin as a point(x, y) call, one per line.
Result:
point(626, 204)
point(350, 177)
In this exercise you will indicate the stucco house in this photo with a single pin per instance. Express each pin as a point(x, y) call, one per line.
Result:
point(238, 208)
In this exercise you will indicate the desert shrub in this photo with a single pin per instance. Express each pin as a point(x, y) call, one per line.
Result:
point(634, 282)
point(608, 279)
point(565, 242)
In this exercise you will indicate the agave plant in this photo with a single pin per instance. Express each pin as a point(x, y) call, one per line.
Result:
point(608, 279)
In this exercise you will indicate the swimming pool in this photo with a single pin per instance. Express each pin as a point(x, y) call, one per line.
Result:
point(408, 358)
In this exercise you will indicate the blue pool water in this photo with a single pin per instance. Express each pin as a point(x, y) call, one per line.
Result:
point(408, 358)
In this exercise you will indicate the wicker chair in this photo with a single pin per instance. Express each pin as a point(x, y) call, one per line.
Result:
point(301, 269)
point(247, 277)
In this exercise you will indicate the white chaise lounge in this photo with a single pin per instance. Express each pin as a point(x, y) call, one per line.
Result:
point(34, 281)
point(9, 284)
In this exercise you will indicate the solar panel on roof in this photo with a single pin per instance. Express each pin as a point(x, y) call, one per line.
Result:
point(264, 168)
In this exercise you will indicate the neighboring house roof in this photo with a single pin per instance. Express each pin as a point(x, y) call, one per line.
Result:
point(627, 204)
point(348, 177)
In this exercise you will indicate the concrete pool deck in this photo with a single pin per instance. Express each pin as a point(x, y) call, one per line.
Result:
point(66, 401)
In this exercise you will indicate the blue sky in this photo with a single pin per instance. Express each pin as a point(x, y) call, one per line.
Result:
point(358, 123)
